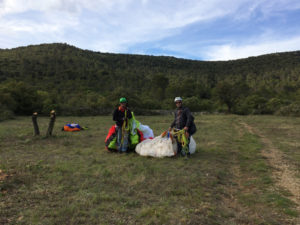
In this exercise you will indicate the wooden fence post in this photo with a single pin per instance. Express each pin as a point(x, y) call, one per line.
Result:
point(51, 124)
point(35, 124)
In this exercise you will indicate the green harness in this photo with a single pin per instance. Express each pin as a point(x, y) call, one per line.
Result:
point(181, 138)
point(125, 127)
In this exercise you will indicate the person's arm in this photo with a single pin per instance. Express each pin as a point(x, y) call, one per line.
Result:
point(129, 115)
point(115, 115)
point(174, 121)
point(188, 117)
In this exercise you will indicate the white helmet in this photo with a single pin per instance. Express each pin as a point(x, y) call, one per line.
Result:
point(178, 99)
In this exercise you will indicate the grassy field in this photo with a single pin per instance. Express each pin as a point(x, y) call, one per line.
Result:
point(236, 176)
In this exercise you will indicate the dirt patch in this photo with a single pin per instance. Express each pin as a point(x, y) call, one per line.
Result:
point(3, 176)
point(284, 172)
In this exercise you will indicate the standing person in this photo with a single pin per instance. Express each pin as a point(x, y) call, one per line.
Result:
point(183, 120)
point(121, 116)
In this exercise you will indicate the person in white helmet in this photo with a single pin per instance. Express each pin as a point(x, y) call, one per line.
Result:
point(183, 120)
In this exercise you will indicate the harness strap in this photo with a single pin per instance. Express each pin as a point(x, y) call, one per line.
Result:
point(125, 126)
point(181, 137)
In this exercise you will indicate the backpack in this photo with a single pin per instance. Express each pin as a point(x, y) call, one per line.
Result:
point(72, 127)
point(192, 128)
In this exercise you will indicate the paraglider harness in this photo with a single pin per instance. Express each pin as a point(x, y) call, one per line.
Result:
point(180, 136)
point(125, 128)
point(131, 127)
point(71, 127)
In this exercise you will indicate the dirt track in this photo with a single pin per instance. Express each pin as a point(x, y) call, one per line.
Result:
point(284, 173)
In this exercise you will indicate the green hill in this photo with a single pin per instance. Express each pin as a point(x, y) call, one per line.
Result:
point(76, 81)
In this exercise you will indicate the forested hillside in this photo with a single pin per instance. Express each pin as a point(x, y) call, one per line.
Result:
point(81, 82)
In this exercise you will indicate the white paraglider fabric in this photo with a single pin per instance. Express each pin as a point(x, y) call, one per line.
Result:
point(157, 147)
point(192, 146)
point(146, 130)
point(161, 147)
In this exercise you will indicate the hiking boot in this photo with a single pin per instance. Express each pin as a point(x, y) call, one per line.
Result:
point(188, 155)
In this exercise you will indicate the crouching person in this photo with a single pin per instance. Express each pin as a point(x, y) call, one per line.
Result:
point(183, 120)
point(121, 116)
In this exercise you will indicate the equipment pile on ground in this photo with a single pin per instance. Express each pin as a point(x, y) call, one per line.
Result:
point(164, 145)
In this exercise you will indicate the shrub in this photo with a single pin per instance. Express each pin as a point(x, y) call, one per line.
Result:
point(289, 110)
point(5, 113)
point(196, 105)
point(274, 104)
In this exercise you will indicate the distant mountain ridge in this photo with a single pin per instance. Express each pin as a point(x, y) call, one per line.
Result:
point(69, 62)
point(64, 69)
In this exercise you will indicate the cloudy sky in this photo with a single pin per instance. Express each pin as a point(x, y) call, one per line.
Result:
point(192, 29)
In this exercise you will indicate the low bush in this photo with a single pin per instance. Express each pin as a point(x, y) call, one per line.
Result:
point(289, 110)
point(5, 113)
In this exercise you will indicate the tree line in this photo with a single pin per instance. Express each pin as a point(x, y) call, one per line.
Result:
point(80, 82)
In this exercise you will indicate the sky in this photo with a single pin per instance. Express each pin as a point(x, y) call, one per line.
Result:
point(192, 29)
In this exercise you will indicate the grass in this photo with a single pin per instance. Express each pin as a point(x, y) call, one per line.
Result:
point(69, 178)
point(284, 132)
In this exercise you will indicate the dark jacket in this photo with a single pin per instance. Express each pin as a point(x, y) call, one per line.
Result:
point(119, 116)
point(183, 118)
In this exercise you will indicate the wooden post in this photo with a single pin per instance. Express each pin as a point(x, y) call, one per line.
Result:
point(35, 124)
point(51, 124)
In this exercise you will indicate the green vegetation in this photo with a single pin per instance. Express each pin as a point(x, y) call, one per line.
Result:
point(70, 178)
point(80, 82)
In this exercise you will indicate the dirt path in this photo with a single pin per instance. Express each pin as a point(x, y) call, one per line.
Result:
point(284, 173)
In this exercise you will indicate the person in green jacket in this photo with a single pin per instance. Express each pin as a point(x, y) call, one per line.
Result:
point(121, 116)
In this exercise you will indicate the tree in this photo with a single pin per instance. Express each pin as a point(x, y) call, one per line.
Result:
point(226, 94)
point(159, 85)
point(23, 97)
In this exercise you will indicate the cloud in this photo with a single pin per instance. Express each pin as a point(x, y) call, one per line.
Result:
point(119, 25)
point(231, 51)
point(148, 21)
point(131, 20)
point(46, 6)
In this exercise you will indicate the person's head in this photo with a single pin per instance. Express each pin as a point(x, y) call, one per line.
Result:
point(123, 102)
point(178, 102)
